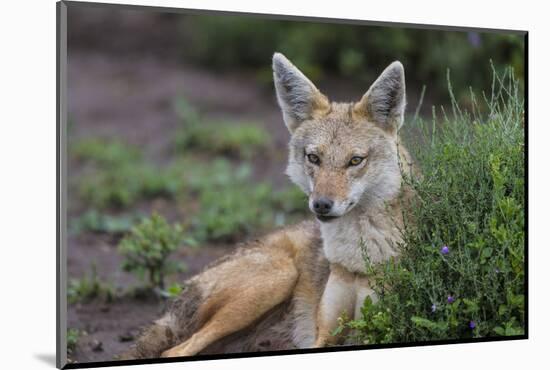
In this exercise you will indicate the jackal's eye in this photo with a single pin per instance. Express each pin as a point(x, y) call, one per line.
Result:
point(312, 158)
point(355, 161)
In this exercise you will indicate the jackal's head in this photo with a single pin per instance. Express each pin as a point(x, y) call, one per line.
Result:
point(342, 154)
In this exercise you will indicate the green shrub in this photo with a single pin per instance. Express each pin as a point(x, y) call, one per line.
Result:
point(236, 139)
point(147, 247)
point(88, 288)
point(358, 52)
point(461, 273)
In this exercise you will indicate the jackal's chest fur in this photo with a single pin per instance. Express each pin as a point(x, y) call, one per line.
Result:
point(351, 240)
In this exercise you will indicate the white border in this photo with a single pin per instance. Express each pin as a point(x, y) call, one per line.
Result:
point(27, 155)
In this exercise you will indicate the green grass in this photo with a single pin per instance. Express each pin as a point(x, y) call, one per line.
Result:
point(117, 176)
point(291, 200)
point(470, 199)
point(124, 185)
point(222, 200)
point(228, 138)
point(73, 336)
point(104, 152)
point(229, 213)
point(99, 222)
point(231, 205)
point(89, 288)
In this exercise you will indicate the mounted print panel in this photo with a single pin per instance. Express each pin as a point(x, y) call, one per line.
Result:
point(236, 185)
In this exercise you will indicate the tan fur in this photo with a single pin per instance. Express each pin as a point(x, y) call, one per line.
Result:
point(285, 271)
point(288, 289)
point(365, 220)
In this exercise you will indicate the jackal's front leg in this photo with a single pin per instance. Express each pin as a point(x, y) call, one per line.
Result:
point(338, 299)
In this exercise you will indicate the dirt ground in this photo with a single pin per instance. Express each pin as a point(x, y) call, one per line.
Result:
point(131, 99)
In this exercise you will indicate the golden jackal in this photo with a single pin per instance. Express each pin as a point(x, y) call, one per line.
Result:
point(288, 289)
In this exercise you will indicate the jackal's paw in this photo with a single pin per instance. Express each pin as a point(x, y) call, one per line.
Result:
point(319, 344)
point(170, 353)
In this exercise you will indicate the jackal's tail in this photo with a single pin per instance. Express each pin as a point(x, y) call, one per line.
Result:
point(180, 321)
point(153, 341)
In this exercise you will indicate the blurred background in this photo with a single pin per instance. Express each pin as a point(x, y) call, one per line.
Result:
point(175, 115)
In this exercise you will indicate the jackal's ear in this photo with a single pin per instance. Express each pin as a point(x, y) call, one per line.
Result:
point(384, 102)
point(298, 97)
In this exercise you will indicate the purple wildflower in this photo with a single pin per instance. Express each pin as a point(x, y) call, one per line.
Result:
point(434, 307)
point(474, 39)
point(450, 299)
point(444, 250)
point(472, 324)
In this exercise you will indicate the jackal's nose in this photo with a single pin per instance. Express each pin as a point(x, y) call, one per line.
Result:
point(322, 205)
